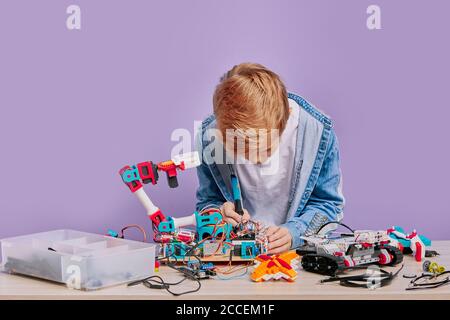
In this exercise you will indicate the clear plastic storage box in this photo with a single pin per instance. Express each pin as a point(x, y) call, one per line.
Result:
point(81, 260)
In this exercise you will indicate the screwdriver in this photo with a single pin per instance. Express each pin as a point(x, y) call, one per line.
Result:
point(236, 190)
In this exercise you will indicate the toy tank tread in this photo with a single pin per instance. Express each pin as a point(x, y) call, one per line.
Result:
point(397, 255)
point(325, 264)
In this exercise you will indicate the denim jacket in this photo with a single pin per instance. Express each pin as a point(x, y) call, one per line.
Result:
point(315, 195)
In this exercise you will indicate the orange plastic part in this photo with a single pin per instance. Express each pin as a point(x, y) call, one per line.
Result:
point(275, 267)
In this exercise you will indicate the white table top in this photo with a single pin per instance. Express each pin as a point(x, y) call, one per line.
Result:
point(305, 287)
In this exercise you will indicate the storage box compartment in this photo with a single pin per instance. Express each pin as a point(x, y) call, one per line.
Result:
point(79, 259)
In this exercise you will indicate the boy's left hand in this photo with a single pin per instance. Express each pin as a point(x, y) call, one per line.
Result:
point(280, 239)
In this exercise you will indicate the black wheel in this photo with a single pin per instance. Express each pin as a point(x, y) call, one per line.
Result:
point(309, 263)
point(323, 264)
point(397, 255)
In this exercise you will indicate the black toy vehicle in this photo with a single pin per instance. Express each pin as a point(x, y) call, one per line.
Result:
point(328, 256)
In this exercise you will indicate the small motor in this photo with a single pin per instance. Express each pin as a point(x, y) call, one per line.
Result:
point(432, 267)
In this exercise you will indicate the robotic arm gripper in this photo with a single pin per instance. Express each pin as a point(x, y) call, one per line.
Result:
point(147, 172)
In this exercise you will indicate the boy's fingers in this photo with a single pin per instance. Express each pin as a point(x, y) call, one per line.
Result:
point(232, 221)
point(233, 215)
point(227, 206)
point(246, 216)
point(271, 230)
point(281, 249)
point(228, 212)
point(281, 245)
point(284, 239)
point(228, 209)
point(281, 232)
point(278, 243)
point(277, 235)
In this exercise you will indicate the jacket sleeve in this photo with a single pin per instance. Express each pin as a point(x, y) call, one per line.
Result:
point(208, 193)
point(326, 201)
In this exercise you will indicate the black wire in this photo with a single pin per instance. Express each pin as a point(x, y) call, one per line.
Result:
point(134, 283)
point(161, 284)
point(335, 222)
point(428, 285)
point(186, 253)
point(352, 281)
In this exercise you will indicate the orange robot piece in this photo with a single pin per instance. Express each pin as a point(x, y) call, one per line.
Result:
point(276, 267)
point(170, 168)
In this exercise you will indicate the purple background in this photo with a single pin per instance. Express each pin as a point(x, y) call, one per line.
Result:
point(75, 106)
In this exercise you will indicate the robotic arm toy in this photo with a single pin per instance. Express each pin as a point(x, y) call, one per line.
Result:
point(147, 172)
point(214, 236)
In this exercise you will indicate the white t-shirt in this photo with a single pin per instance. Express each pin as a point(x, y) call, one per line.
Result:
point(265, 187)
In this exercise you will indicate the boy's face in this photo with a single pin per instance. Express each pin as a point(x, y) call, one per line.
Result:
point(254, 145)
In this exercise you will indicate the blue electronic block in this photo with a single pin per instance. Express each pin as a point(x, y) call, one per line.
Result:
point(214, 231)
point(203, 220)
point(176, 250)
point(248, 249)
point(113, 233)
point(131, 175)
point(167, 226)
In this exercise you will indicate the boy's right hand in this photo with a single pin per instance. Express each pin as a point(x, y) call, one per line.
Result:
point(232, 216)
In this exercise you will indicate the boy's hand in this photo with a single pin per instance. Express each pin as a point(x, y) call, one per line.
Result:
point(232, 216)
point(280, 239)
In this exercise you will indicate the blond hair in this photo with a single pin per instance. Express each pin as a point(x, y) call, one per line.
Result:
point(250, 96)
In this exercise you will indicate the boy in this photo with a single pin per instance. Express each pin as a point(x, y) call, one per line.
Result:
point(291, 182)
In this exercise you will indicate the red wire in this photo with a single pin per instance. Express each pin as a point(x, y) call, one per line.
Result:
point(142, 230)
